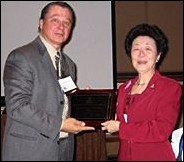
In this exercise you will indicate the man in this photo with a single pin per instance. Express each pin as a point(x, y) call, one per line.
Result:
point(37, 122)
point(177, 143)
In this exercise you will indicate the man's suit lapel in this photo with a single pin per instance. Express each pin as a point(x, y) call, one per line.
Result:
point(67, 68)
point(46, 60)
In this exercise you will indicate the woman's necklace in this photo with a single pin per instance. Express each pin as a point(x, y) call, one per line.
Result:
point(140, 84)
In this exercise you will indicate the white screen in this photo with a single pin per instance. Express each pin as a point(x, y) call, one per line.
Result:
point(90, 47)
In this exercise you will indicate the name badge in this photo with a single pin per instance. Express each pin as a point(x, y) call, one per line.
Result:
point(67, 84)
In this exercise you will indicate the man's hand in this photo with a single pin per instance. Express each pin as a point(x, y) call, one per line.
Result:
point(71, 125)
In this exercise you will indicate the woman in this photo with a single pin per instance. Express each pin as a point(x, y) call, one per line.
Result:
point(148, 105)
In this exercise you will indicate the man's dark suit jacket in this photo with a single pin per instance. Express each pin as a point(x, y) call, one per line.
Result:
point(34, 104)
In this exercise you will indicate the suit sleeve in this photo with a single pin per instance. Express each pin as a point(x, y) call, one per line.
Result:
point(161, 127)
point(19, 84)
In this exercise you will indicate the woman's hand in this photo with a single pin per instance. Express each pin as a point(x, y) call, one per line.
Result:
point(111, 126)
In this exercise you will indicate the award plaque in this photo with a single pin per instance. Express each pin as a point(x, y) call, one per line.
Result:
point(93, 106)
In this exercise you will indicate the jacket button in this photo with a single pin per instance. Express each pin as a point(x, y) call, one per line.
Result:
point(61, 102)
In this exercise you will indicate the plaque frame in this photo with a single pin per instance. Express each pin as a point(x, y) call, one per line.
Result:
point(93, 106)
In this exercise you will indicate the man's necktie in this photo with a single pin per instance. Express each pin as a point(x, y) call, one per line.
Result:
point(57, 63)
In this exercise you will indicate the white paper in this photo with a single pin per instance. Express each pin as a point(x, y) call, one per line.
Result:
point(67, 84)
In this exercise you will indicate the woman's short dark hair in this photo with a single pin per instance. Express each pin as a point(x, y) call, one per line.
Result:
point(61, 4)
point(152, 31)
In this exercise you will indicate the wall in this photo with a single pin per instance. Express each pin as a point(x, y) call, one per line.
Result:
point(90, 46)
point(168, 15)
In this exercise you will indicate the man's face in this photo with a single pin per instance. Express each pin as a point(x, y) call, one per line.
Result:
point(56, 26)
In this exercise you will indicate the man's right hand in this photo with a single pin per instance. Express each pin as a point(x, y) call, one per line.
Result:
point(72, 125)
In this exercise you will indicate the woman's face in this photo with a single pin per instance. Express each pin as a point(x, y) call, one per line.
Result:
point(56, 26)
point(144, 54)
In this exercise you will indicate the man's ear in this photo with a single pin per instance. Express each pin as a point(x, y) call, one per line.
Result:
point(40, 24)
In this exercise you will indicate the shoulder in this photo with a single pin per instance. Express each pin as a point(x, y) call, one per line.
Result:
point(169, 82)
point(125, 87)
point(68, 59)
point(25, 50)
point(168, 86)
